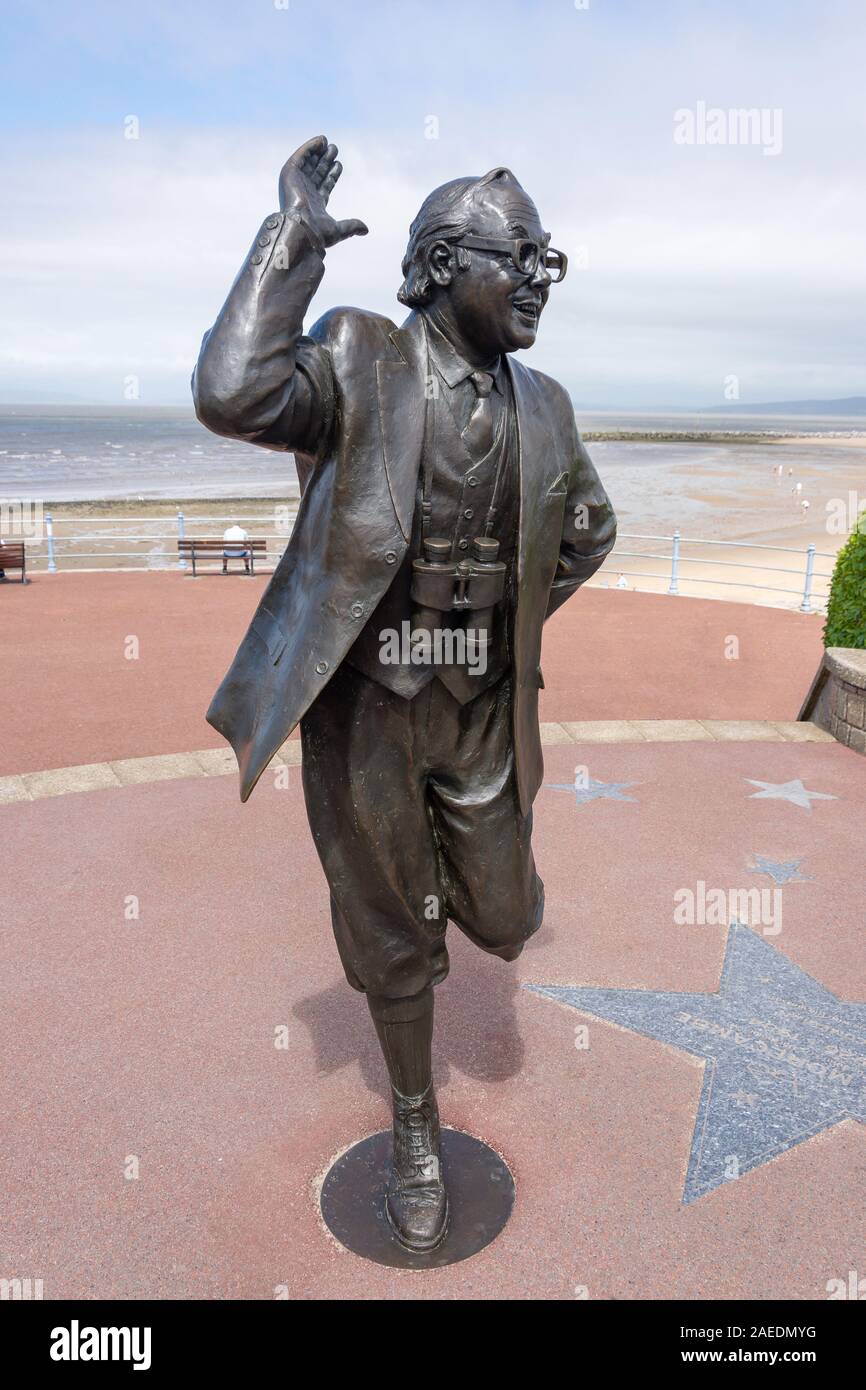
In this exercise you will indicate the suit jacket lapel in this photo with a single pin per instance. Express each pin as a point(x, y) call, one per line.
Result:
point(537, 454)
point(401, 382)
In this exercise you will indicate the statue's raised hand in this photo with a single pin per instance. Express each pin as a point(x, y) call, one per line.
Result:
point(306, 181)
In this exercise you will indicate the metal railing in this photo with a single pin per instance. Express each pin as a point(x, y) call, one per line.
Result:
point(803, 594)
point(62, 550)
point(55, 551)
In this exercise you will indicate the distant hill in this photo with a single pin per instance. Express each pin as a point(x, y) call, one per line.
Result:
point(847, 405)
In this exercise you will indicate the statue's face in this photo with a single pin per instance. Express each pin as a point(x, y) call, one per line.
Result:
point(495, 305)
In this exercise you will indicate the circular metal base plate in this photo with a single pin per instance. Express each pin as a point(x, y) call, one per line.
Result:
point(480, 1197)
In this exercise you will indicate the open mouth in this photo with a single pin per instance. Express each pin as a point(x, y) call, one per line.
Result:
point(528, 310)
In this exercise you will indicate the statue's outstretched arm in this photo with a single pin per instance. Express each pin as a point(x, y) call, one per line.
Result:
point(257, 378)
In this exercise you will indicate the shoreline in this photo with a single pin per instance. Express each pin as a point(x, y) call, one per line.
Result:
point(843, 442)
point(848, 438)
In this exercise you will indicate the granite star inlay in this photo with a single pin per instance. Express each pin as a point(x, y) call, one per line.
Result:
point(785, 1059)
point(780, 871)
point(793, 791)
point(585, 789)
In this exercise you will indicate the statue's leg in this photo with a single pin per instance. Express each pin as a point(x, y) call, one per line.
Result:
point(485, 841)
point(416, 1204)
point(405, 1031)
point(365, 784)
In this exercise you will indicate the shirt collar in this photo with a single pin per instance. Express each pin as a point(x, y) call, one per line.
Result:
point(453, 368)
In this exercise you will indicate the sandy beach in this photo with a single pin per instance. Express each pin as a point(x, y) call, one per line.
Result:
point(711, 492)
point(710, 489)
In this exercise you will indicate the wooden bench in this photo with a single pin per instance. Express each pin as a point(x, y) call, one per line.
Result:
point(12, 558)
point(191, 546)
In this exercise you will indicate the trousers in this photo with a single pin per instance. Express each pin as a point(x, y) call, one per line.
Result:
point(414, 812)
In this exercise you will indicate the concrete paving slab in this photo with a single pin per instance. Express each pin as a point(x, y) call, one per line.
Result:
point(555, 733)
point(740, 730)
point(158, 769)
point(672, 730)
point(603, 731)
point(290, 752)
point(86, 777)
point(12, 789)
point(216, 762)
point(802, 731)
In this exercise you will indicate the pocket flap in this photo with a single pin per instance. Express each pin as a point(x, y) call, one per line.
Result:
point(266, 627)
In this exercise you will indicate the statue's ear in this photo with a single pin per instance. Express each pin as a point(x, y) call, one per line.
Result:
point(440, 262)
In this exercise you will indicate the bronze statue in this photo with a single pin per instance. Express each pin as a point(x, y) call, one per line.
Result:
point(448, 507)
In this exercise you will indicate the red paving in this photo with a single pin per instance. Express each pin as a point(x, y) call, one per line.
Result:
point(155, 1037)
point(72, 696)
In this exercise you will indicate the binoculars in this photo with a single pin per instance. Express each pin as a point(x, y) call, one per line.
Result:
point(473, 586)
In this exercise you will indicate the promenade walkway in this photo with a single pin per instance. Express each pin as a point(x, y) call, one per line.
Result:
point(123, 665)
point(678, 1091)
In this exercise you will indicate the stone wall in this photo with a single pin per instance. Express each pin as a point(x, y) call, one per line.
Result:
point(837, 698)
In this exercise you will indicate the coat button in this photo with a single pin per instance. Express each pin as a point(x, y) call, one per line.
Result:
point(357, 610)
point(264, 241)
point(321, 667)
point(256, 259)
point(390, 557)
point(272, 222)
point(473, 482)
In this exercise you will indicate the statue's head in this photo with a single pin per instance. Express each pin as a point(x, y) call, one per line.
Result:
point(493, 292)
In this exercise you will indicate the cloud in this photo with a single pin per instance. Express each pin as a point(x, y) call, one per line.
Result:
point(700, 261)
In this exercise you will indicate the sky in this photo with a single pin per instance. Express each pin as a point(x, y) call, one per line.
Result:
point(709, 262)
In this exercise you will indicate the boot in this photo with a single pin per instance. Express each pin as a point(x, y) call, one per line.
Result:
point(416, 1203)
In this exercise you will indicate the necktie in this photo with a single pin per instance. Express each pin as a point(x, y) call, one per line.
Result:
point(478, 433)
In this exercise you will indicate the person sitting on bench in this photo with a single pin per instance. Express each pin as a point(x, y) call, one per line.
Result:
point(234, 549)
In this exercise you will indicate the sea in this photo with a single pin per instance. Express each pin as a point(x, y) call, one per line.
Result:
point(66, 454)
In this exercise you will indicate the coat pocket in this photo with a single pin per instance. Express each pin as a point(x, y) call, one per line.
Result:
point(266, 627)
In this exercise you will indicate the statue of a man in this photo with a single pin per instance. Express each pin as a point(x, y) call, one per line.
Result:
point(448, 507)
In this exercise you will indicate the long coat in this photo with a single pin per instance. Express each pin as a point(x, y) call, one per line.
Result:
point(349, 400)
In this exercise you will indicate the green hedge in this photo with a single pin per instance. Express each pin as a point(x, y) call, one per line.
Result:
point(846, 610)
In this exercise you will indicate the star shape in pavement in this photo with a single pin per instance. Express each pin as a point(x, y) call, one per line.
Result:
point(588, 789)
point(770, 1030)
point(781, 871)
point(793, 791)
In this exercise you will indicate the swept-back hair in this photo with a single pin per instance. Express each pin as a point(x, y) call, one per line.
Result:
point(444, 215)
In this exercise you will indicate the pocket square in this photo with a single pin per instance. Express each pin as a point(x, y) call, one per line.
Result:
point(559, 487)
